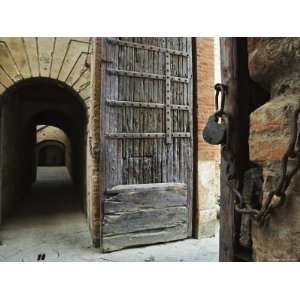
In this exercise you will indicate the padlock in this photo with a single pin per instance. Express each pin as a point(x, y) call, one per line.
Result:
point(214, 132)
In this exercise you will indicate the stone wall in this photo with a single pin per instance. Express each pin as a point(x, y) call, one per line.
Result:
point(275, 64)
point(13, 166)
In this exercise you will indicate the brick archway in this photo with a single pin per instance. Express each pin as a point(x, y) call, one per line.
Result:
point(24, 106)
point(64, 59)
point(69, 61)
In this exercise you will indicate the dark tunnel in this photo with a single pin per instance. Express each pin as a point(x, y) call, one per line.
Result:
point(25, 105)
point(50, 153)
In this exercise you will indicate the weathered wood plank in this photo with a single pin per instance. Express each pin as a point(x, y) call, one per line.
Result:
point(168, 100)
point(118, 242)
point(147, 47)
point(145, 75)
point(135, 200)
point(148, 219)
point(189, 153)
point(150, 186)
point(146, 135)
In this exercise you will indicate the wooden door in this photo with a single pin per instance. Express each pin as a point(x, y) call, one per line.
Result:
point(147, 141)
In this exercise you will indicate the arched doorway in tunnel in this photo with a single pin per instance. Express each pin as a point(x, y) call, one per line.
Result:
point(24, 190)
point(51, 153)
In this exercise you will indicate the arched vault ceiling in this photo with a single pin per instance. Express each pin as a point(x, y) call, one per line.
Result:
point(65, 59)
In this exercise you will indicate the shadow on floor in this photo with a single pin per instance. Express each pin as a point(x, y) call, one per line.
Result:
point(53, 193)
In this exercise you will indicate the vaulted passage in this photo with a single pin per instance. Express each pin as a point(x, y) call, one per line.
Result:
point(51, 153)
point(41, 178)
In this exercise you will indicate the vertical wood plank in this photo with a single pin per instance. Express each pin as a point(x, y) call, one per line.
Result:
point(234, 69)
point(168, 144)
point(190, 142)
point(168, 100)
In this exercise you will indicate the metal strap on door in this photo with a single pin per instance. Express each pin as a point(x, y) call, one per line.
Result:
point(167, 106)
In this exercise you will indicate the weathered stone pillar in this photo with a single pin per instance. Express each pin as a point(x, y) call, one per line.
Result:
point(275, 64)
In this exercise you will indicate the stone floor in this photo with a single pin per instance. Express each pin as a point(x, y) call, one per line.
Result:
point(51, 225)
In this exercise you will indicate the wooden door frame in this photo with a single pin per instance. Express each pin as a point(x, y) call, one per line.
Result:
point(195, 204)
point(234, 72)
point(243, 97)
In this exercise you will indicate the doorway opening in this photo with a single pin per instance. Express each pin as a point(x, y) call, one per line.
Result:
point(51, 154)
point(43, 173)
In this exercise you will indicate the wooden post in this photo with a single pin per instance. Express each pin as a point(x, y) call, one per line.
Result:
point(234, 69)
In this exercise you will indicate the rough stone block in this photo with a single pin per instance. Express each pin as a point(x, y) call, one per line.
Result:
point(207, 223)
point(208, 186)
point(270, 128)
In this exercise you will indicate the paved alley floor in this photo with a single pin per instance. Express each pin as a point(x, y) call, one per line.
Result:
point(50, 226)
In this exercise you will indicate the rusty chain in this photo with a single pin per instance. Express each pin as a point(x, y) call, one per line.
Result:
point(228, 154)
point(277, 196)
